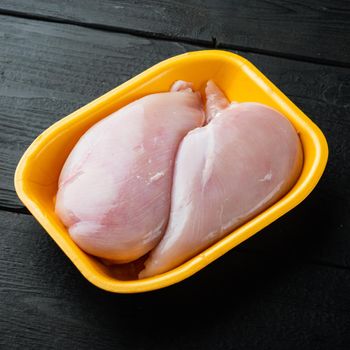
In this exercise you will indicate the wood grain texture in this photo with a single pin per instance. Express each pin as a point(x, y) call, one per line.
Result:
point(243, 301)
point(49, 70)
point(311, 29)
point(285, 288)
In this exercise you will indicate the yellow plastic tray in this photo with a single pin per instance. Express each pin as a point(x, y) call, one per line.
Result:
point(38, 170)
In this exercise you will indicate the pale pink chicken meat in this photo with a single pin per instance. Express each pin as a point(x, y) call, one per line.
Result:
point(245, 159)
point(114, 189)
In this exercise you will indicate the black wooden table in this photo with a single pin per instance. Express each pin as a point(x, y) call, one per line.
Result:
point(286, 288)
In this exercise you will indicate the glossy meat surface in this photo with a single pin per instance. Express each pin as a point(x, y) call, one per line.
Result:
point(245, 159)
point(114, 189)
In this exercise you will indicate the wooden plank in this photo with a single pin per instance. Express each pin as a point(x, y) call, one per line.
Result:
point(48, 70)
point(313, 29)
point(242, 301)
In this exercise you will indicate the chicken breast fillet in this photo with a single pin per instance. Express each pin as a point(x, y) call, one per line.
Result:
point(114, 189)
point(246, 158)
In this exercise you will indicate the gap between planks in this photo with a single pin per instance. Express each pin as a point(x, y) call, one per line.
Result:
point(213, 44)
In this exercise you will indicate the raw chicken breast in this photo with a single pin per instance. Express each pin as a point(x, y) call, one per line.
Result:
point(114, 189)
point(245, 159)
